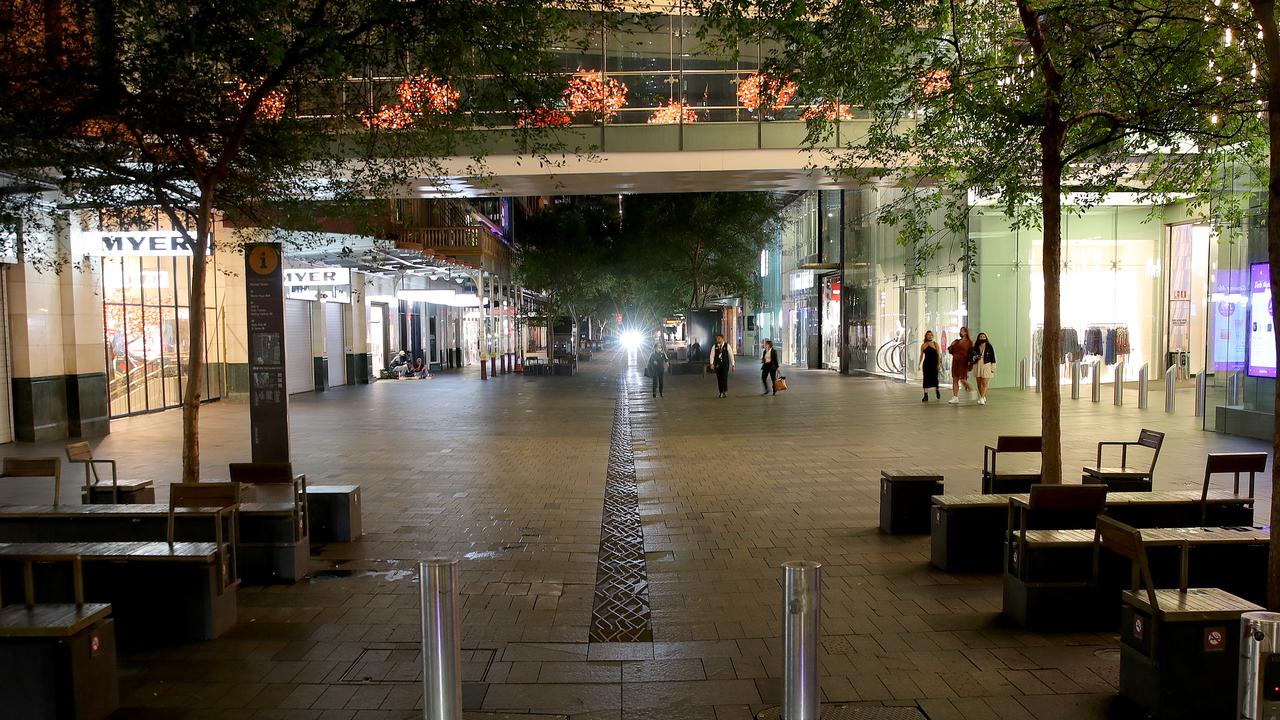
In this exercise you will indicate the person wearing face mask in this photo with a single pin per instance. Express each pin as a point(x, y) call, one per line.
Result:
point(983, 360)
point(930, 360)
point(721, 363)
point(959, 350)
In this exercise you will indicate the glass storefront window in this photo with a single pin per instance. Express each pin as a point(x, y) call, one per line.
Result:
point(145, 322)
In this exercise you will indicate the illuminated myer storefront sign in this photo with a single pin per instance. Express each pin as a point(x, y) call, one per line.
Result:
point(328, 284)
point(130, 243)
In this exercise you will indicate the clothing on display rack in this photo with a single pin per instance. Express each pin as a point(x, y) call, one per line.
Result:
point(1070, 344)
point(1093, 341)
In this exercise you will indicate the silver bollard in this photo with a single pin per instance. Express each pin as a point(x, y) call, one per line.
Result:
point(1144, 384)
point(1117, 384)
point(1202, 389)
point(1095, 390)
point(1022, 374)
point(1259, 643)
point(801, 593)
point(1075, 380)
point(1234, 385)
point(1170, 387)
point(441, 640)
point(1040, 376)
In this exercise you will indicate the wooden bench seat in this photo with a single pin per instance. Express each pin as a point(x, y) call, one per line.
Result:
point(159, 592)
point(968, 531)
point(1125, 477)
point(50, 620)
point(1191, 605)
point(1003, 481)
point(113, 489)
point(274, 526)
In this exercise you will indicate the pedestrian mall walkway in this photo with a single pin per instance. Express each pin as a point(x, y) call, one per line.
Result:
point(700, 500)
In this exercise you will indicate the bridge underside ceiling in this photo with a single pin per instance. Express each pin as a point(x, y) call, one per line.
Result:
point(631, 172)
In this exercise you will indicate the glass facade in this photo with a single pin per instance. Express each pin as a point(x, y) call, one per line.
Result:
point(146, 322)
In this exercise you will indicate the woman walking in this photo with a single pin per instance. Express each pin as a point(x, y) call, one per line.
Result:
point(930, 359)
point(657, 368)
point(960, 349)
point(983, 360)
point(769, 368)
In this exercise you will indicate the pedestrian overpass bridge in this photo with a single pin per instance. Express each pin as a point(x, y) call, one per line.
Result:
point(642, 158)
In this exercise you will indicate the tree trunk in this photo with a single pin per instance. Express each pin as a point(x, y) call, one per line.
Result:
point(1264, 12)
point(192, 393)
point(1051, 202)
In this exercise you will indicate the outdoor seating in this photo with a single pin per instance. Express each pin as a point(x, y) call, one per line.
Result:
point(1179, 647)
point(275, 544)
point(120, 490)
point(35, 467)
point(995, 481)
point(1125, 477)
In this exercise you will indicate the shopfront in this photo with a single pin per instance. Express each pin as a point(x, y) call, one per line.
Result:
point(146, 321)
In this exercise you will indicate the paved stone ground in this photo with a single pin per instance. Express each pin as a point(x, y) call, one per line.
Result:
point(509, 475)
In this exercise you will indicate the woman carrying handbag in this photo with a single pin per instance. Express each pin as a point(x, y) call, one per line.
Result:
point(769, 370)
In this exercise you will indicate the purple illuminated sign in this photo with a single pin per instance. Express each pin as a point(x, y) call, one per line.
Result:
point(1262, 332)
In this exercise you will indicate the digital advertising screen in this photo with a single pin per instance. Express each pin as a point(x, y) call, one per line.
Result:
point(1230, 305)
point(1262, 330)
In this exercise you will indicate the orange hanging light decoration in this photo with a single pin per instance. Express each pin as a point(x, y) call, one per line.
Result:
point(419, 95)
point(673, 113)
point(590, 91)
point(759, 92)
point(272, 106)
point(829, 110)
point(544, 117)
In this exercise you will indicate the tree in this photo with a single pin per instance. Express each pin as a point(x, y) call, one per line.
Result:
point(1018, 101)
point(197, 107)
point(682, 251)
point(565, 253)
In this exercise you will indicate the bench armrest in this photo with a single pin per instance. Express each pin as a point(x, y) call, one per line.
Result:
point(988, 459)
point(1124, 451)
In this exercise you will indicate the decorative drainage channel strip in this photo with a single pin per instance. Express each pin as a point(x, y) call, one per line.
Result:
point(620, 612)
point(851, 712)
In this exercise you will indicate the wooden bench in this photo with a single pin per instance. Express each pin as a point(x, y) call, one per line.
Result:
point(968, 531)
point(121, 490)
point(35, 467)
point(994, 481)
point(274, 533)
point(1179, 648)
point(159, 592)
point(57, 660)
point(1049, 598)
point(1125, 477)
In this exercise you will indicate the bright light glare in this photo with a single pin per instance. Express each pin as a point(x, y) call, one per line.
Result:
point(632, 339)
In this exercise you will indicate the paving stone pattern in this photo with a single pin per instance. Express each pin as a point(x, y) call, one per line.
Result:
point(620, 612)
point(510, 475)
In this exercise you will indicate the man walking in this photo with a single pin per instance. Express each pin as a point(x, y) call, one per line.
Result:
point(769, 369)
point(722, 364)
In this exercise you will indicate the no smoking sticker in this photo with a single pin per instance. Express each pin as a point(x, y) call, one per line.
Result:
point(1137, 627)
point(1215, 639)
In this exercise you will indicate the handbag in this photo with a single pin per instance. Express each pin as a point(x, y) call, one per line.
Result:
point(780, 384)
point(646, 371)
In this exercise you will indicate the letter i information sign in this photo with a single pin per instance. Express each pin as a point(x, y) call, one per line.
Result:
point(268, 401)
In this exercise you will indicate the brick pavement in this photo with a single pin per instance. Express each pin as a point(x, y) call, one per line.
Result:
point(509, 475)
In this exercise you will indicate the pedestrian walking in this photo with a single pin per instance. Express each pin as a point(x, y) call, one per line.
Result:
point(657, 368)
point(959, 350)
point(769, 368)
point(983, 360)
point(721, 363)
point(930, 361)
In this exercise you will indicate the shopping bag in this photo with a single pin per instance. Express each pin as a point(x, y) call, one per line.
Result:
point(780, 384)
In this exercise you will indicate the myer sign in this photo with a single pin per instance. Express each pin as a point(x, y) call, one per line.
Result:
point(131, 243)
point(328, 284)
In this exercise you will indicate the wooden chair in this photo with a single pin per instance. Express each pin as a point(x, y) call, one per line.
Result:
point(1054, 507)
point(50, 620)
point(225, 496)
point(996, 482)
point(135, 489)
point(280, 478)
point(1234, 463)
point(1124, 477)
point(35, 467)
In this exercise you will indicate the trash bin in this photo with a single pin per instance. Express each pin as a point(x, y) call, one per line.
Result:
point(1259, 666)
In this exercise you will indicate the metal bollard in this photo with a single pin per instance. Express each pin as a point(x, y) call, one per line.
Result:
point(1144, 384)
point(1202, 388)
point(1040, 376)
point(1233, 389)
point(441, 640)
point(1075, 380)
point(1170, 387)
point(801, 593)
point(1022, 374)
point(1095, 389)
point(1117, 384)
point(1259, 644)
